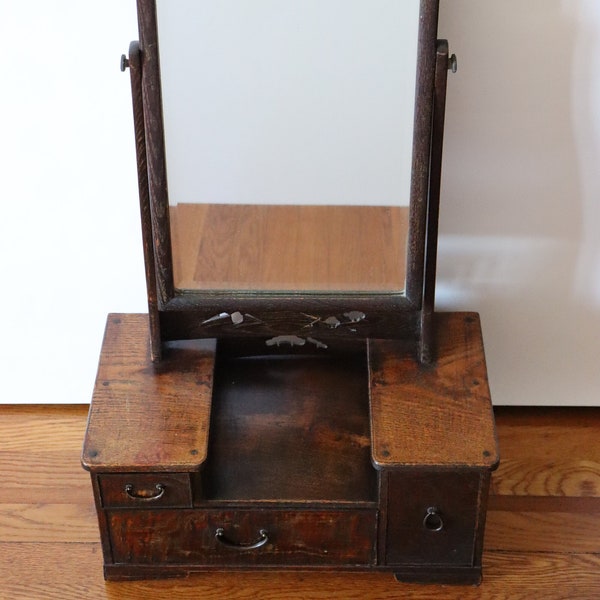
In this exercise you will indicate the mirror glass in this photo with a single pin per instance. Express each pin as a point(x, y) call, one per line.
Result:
point(289, 134)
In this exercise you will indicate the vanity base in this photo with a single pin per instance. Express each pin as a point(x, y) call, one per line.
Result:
point(247, 456)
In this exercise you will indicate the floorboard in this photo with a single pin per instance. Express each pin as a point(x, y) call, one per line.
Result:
point(542, 540)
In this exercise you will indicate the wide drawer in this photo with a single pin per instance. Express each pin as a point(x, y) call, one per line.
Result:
point(145, 490)
point(244, 537)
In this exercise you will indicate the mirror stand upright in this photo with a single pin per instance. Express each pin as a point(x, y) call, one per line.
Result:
point(298, 402)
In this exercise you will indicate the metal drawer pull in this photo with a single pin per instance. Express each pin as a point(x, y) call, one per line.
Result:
point(144, 496)
point(433, 519)
point(222, 539)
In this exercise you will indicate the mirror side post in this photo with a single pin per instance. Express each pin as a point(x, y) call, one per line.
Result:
point(134, 62)
point(443, 63)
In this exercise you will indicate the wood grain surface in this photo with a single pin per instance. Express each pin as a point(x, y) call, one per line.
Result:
point(543, 546)
point(438, 400)
point(277, 247)
point(139, 418)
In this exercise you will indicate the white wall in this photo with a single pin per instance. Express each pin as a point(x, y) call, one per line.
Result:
point(326, 118)
point(70, 239)
point(520, 222)
point(520, 206)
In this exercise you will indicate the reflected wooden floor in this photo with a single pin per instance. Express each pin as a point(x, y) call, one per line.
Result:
point(542, 541)
point(281, 247)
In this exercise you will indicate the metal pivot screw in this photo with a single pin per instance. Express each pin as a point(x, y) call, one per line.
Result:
point(452, 63)
point(124, 62)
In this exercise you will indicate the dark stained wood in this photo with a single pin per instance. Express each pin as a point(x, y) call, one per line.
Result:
point(155, 150)
point(289, 452)
point(437, 414)
point(146, 490)
point(454, 495)
point(144, 416)
point(390, 315)
point(427, 349)
point(135, 70)
point(421, 164)
point(289, 248)
point(291, 430)
point(161, 538)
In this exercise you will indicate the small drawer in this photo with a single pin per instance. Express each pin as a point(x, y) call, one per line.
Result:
point(145, 490)
point(432, 517)
point(244, 537)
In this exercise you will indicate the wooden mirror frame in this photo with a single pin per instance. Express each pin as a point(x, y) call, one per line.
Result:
point(290, 317)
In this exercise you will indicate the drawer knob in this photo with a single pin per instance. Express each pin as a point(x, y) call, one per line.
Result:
point(144, 495)
point(222, 539)
point(433, 520)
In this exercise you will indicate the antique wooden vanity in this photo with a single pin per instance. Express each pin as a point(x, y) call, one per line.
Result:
point(291, 400)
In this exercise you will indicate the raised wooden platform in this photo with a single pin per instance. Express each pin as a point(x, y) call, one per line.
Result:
point(290, 455)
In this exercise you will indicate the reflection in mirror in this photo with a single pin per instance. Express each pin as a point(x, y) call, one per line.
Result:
point(288, 134)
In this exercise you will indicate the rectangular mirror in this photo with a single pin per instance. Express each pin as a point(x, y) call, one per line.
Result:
point(288, 130)
point(286, 166)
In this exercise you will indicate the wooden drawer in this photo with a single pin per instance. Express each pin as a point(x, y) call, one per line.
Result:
point(145, 490)
point(244, 537)
point(432, 517)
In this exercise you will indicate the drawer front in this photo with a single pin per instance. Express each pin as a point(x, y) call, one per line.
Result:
point(145, 490)
point(244, 537)
point(432, 517)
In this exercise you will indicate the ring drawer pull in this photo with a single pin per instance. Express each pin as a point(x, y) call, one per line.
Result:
point(222, 539)
point(143, 496)
point(433, 519)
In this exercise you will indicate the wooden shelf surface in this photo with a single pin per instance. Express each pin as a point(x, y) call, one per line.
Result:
point(292, 429)
point(148, 416)
point(438, 414)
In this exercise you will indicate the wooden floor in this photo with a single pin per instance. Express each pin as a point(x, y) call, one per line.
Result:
point(289, 247)
point(542, 541)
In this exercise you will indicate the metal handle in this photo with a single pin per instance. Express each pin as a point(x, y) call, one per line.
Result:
point(222, 539)
point(433, 519)
point(143, 496)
